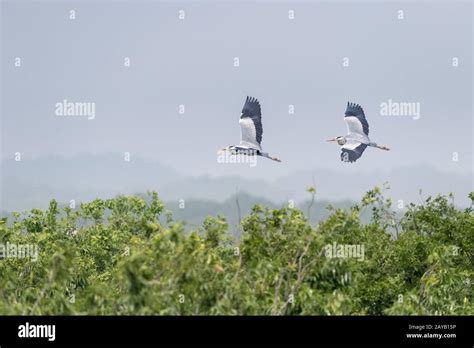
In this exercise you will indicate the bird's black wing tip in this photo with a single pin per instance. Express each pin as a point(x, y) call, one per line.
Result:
point(252, 100)
point(251, 107)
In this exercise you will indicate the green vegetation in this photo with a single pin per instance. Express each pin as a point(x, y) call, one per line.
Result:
point(130, 257)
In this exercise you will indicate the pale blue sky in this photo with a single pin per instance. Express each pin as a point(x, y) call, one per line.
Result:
point(282, 62)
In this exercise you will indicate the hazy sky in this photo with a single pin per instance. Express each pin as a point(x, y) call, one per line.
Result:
point(282, 62)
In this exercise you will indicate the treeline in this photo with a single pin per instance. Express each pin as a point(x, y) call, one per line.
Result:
point(130, 257)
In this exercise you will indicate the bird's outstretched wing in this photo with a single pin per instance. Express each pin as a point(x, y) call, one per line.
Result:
point(251, 124)
point(352, 150)
point(355, 120)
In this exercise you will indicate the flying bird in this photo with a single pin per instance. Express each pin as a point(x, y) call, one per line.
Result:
point(357, 138)
point(251, 132)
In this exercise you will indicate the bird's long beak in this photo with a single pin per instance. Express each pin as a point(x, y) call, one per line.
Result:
point(221, 151)
point(333, 139)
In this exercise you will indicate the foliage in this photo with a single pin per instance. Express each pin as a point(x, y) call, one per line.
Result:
point(127, 256)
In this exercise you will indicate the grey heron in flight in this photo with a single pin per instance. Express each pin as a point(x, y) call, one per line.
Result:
point(357, 138)
point(251, 132)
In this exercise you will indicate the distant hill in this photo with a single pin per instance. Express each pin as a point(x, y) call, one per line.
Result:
point(32, 183)
point(193, 211)
point(239, 206)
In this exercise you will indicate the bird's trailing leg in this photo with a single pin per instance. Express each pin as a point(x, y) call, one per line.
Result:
point(379, 146)
point(264, 154)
